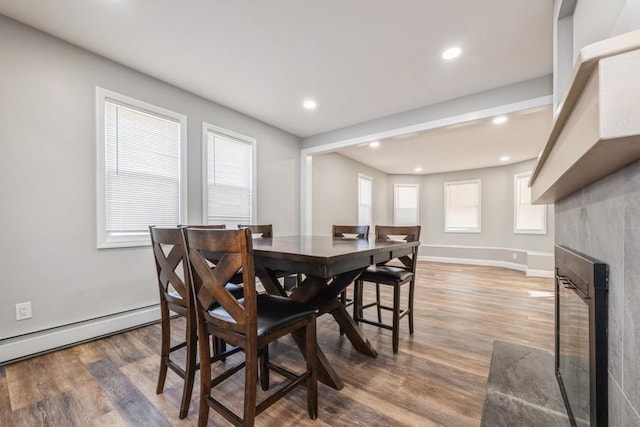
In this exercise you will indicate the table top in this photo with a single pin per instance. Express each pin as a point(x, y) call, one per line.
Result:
point(325, 256)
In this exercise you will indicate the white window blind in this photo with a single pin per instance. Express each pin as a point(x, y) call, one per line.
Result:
point(365, 200)
point(141, 170)
point(405, 204)
point(230, 178)
point(528, 218)
point(462, 206)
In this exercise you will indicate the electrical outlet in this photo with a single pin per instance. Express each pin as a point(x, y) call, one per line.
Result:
point(23, 310)
point(515, 255)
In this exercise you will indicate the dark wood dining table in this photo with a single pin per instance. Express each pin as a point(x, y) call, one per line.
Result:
point(329, 265)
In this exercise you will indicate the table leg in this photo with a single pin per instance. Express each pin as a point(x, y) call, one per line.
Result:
point(326, 373)
point(327, 302)
point(316, 291)
point(359, 341)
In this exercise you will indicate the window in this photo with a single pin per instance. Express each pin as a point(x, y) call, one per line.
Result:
point(141, 169)
point(405, 211)
point(527, 218)
point(365, 198)
point(229, 172)
point(462, 207)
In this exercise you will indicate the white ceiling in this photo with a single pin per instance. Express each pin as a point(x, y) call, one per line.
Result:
point(360, 59)
point(470, 145)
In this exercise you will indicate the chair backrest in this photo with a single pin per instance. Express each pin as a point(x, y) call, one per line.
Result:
point(361, 230)
point(206, 226)
point(234, 251)
point(266, 230)
point(169, 252)
point(406, 233)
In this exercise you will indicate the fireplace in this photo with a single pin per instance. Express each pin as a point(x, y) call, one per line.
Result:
point(581, 336)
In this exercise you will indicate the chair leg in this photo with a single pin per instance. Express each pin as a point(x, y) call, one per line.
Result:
point(190, 368)
point(264, 368)
point(411, 293)
point(219, 347)
point(378, 302)
point(205, 375)
point(343, 301)
point(250, 383)
point(357, 301)
point(312, 381)
point(165, 344)
point(396, 318)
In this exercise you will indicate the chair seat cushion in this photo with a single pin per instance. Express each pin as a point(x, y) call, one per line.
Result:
point(236, 290)
point(385, 274)
point(274, 312)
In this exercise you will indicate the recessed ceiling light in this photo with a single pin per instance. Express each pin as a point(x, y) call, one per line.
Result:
point(498, 120)
point(374, 144)
point(504, 158)
point(418, 169)
point(451, 53)
point(309, 104)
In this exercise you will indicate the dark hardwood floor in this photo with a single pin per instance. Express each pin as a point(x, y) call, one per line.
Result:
point(437, 378)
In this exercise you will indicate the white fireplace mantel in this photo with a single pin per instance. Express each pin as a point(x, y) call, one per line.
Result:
point(597, 129)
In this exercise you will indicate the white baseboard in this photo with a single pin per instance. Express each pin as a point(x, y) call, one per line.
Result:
point(489, 263)
point(541, 273)
point(38, 342)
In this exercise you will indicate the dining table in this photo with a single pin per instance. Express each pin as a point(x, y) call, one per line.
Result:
point(329, 265)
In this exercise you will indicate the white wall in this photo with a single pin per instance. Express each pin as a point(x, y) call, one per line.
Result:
point(335, 193)
point(48, 249)
point(497, 98)
point(592, 21)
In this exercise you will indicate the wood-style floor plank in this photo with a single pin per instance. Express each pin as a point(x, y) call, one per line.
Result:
point(132, 404)
point(438, 377)
point(42, 377)
point(5, 401)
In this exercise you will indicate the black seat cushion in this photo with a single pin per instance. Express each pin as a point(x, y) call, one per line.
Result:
point(236, 290)
point(385, 274)
point(274, 312)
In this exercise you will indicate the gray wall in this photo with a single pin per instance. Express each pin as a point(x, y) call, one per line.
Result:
point(602, 221)
point(494, 244)
point(48, 249)
point(496, 218)
point(335, 193)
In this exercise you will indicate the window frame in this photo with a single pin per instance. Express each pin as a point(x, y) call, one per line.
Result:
point(208, 127)
point(448, 229)
point(370, 179)
point(104, 239)
point(516, 207)
point(395, 202)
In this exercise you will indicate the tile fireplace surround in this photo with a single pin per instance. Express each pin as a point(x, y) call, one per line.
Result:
point(590, 169)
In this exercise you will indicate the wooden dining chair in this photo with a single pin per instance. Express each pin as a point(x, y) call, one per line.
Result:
point(251, 323)
point(390, 275)
point(262, 231)
point(265, 231)
point(175, 295)
point(358, 232)
point(234, 286)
